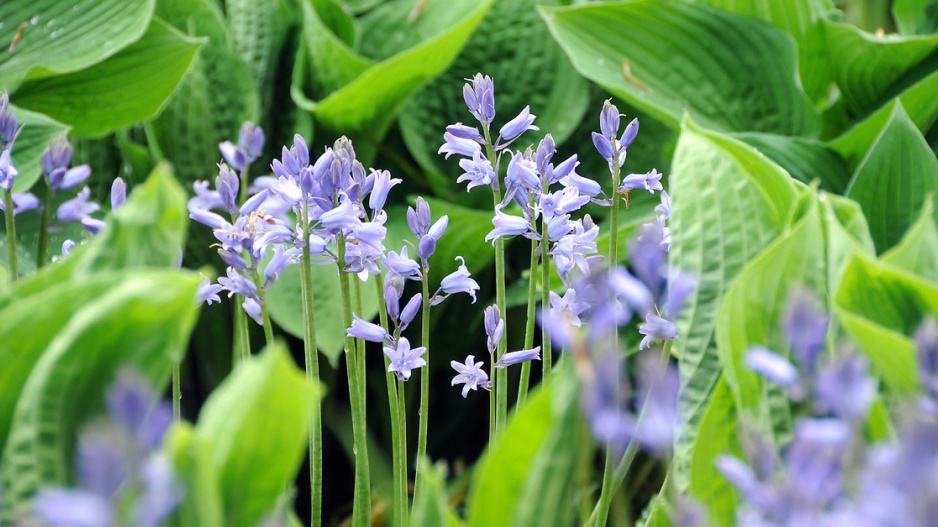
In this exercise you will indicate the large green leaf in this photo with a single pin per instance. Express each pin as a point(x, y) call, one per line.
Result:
point(894, 179)
point(880, 306)
point(805, 159)
point(718, 437)
point(431, 507)
point(916, 17)
point(728, 203)
point(846, 233)
point(366, 96)
point(37, 133)
point(918, 250)
point(743, 79)
point(530, 448)
point(93, 102)
point(192, 457)
point(142, 321)
point(214, 98)
point(58, 36)
point(800, 19)
point(259, 417)
point(285, 302)
point(920, 104)
point(513, 46)
point(258, 30)
point(865, 66)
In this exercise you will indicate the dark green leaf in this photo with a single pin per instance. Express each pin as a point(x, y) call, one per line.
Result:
point(805, 159)
point(916, 17)
point(918, 250)
point(718, 437)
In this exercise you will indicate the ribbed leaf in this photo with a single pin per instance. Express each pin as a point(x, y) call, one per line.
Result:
point(92, 102)
point(37, 133)
point(728, 203)
point(258, 417)
point(743, 79)
point(258, 29)
point(213, 99)
point(142, 321)
point(801, 20)
point(718, 437)
point(285, 302)
point(366, 97)
point(846, 232)
point(805, 159)
point(58, 36)
point(894, 178)
point(865, 66)
point(918, 250)
point(513, 46)
point(192, 457)
point(916, 17)
point(880, 307)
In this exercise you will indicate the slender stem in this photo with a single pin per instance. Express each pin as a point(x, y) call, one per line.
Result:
point(243, 183)
point(177, 393)
point(529, 325)
point(245, 333)
point(11, 236)
point(398, 422)
point(499, 377)
point(547, 356)
point(424, 382)
point(152, 144)
point(312, 375)
point(44, 227)
point(361, 506)
point(614, 219)
point(265, 316)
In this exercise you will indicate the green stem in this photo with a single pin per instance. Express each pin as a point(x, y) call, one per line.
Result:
point(361, 506)
point(398, 422)
point(424, 382)
point(43, 228)
point(500, 377)
point(177, 393)
point(268, 328)
point(11, 236)
point(152, 144)
point(312, 375)
point(529, 326)
point(547, 356)
point(243, 183)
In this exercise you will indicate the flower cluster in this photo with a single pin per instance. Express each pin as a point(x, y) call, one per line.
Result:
point(122, 479)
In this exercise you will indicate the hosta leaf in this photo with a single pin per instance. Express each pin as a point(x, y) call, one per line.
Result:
point(366, 97)
point(142, 321)
point(58, 36)
point(37, 133)
point(713, 243)
point(622, 47)
point(213, 99)
point(801, 20)
point(847, 233)
point(258, 417)
point(920, 104)
point(512, 46)
point(93, 103)
point(865, 66)
point(285, 302)
point(880, 307)
point(258, 30)
point(894, 178)
point(718, 437)
point(805, 159)
point(916, 17)
point(918, 250)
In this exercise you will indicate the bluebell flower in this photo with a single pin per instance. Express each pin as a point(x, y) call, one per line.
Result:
point(402, 265)
point(207, 292)
point(418, 219)
point(22, 202)
point(63, 178)
point(805, 324)
point(252, 307)
point(7, 171)
point(650, 181)
point(118, 193)
point(410, 310)
point(507, 226)
point(249, 148)
point(478, 172)
point(772, 366)
point(845, 388)
point(494, 327)
point(517, 357)
point(522, 172)
point(648, 256)
point(77, 208)
point(228, 184)
point(515, 127)
point(656, 328)
point(365, 330)
point(8, 122)
point(573, 250)
point(404, 359)
point(454, 144)
point(277, 263)
point(471, 375)
point(236, 284)
point(611, 148)
point(456, 282)
point(382, 185)
point(205, 198)
point(67, 246)
point(664, 208)
point(92, 225)
point(567, 308)
point(466, 132)
point(926, 345)
point(480, 98)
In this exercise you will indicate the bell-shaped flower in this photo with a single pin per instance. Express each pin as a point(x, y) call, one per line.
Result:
point(404, 359)
point(517, 357)
point(456, 282)
point(480, 98)
point(477, 171)
point(515, 127)
point(78, 207)
point(365, 330)
point(470, 374)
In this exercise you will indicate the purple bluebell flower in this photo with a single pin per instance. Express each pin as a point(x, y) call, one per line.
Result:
point(805, 323)
point(410, 310)
point(7, 171)
point(382, 185)
point(664, 208)
point(365, 330)
point(346, 216)
point(254, 203)
point(57, 155)
point(418, 219)
point(648, 257)
point(456, 282)
point(208, 291)
point(680, 286)
point(494, 327)
point(772, 366)
point(205, 198)
point(609, 147)
point(67, 507)
point(162, 493)
point(567, 308)
point(8, 122)
point(62, 179)
point(252, 307)
point(67, 246)
point(658, 386)
point(118, 193)
point(471, 375)
point(133, 405)
point(572, 251)
point(22, 202)
point(78, 207)
point(522, 171)
point(926, 345)
point(515, 127)
point(478, 172)
point(92, 225)
point(480, 98)
point(278, 262)
point(507, 225)
point(466, 132)
point(250, 145)
point(404, 359)
point(845, 388)
point(562, 202)
point(427, 245)
point(236, 284)
point(650, 181)
point(517, 357)
point(228, 184)
point(402, 265)
point(656, 328)
point(454, 144)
